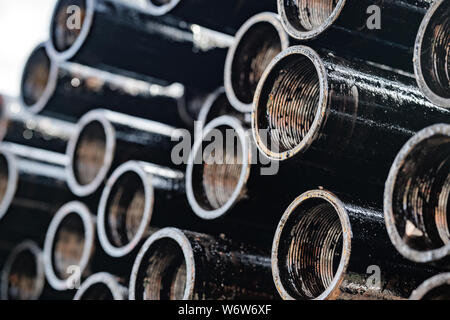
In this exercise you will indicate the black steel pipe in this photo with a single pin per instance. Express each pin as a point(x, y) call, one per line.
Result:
point(330, 247)
point(350, 27)
point(226, 16)
point(432, 54)
point(148, 44)
point(416, 197)
point(68, 90)
point(106, 139)
point(435, 288)
point(137, 198)
point(256, 43)
point(102, 286)
point(21, 127)
point(69, 246)
point(323, 107)
point(230, 183)
point(184, 265)
point(23, 276)
point(31, 180)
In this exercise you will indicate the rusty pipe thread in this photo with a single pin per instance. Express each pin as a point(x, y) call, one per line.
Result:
point(184, 265)
point(69, 242)
point(214, 182)
point(256, 43)
point(288, 105)
point(432, 54)
point(311, 248)
point(102, 286)
point(435, 288)
point(23, 276)
point(416, 196)
point(305, 19)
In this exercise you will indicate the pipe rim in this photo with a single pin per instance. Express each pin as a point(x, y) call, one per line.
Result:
point(40, 273)
point(399, 244)
point(421, 82)
point(430, 284)
point(84, 33)
point(50, 87)
point(320, 114)
point(105, 278)
point(236, 125)
point(334, 288)
point(92, 116)
point(178, 236)
point(264, 17)
point(207, 107)
point(309, 35)
point(160, 10)
point(74, 207)
point(110, 249)
point(13, 180)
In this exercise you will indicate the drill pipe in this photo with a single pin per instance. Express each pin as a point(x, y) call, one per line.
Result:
point(234, 186)
point(137, 197)
point(148, 44)
point(226, 16)
point(183, 265)
point(416, 197)
point(32, 180)
point(327, 247)
point(102, 286)
point(326, 107)
point(21, 127)
point(105, 139)
point(435, 288)
point(23, 276)
point(349, 26)
point(256, 43)
point(432, 54)
point(68, 90)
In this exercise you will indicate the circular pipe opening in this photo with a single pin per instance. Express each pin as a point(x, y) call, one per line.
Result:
point(435, 288)
point(432, 54)
point(125, 209)
point(256, 43)
point(306, 19)
point(161, 7)
point(70, 26)
point(164, 268)
point(417, 195)
point(69, 243)
point(101, 286)
point(290, 103)
point(8, 180)
point(23, 274)
point(90, 152)
point(218, 168)
point(311, 247)
point(39, 79)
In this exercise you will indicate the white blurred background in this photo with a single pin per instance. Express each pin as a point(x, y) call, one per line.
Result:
point(23, 24)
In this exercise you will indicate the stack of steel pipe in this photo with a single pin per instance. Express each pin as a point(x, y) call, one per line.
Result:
point(225, 150)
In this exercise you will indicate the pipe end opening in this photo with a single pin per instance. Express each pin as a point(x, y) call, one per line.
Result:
point(36, 77)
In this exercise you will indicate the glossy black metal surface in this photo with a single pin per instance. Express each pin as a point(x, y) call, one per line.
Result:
point(199, 267)
point(336, 247)
point(345, 116)
point(351, 27)
point(148, 45)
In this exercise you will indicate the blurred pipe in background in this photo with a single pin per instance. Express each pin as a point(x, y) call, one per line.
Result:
point(102, 286)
